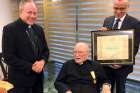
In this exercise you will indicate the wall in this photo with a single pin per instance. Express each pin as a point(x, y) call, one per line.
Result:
point(5, 18)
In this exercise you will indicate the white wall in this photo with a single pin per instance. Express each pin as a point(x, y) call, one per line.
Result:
point(5, 18)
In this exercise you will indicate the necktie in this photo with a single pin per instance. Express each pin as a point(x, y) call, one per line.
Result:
point(115, 27)
point(33, 39)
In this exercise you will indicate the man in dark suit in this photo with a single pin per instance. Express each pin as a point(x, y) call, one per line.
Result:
point(81, 75)
point(121, 20)
point(25, 50)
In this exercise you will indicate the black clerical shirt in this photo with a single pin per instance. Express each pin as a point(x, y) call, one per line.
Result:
point(77, 77)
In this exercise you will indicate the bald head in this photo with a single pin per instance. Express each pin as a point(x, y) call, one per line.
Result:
point(121, 2)
point(81, 52)
point(120, 8)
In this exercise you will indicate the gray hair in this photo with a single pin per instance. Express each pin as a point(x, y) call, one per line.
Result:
point(82, 45)
point(22, 3)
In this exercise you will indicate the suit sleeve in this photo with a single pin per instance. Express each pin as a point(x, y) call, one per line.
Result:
point(60, 83)
point(9, 48)
point(45, 54)
point(137, 37)
point(107, 23)
point(101, 77)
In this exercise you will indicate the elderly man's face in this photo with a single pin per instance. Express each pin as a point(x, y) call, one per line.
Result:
point(80, 55)
point(28, 13)
point(120, 9)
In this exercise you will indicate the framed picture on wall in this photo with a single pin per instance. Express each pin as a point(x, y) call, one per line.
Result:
point(113, 47)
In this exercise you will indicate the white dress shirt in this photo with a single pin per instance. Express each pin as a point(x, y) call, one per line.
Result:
point(120, 22)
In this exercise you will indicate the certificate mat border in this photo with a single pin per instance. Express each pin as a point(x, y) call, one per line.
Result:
point(130, 33)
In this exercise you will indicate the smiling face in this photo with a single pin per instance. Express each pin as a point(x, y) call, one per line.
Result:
point(120, 8)
point(28, 13)
point(81, 51)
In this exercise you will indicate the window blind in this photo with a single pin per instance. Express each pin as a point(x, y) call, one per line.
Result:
point(61, 28)
point(71, 21)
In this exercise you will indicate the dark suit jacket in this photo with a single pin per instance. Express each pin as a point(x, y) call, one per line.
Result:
point(19, 54)
point(128, 23)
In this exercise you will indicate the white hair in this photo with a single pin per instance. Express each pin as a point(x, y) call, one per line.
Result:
point(23, 2)
point(82, 45)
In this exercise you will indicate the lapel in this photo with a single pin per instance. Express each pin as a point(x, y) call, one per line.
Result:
point(38, 37)
point(29, 41)
point(23, 34)
point(109, 23)
point(125, 23)
point(112, 21)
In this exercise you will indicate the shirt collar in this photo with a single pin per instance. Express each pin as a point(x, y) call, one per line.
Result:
point(121, 19)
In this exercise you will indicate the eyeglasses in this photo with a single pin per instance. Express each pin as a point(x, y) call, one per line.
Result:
point(119, 8)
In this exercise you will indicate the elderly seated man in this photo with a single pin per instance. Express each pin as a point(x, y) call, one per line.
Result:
point(81, 75)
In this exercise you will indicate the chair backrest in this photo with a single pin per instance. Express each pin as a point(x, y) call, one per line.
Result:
point(4, 68)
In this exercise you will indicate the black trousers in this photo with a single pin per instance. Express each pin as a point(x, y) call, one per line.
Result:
point(36, 88)
point(119, 83)
point(117, 79)
point(83, 88)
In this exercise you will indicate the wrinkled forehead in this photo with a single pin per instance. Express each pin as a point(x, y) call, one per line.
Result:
point(81, 48)
point(29, 6)
point(120, 5)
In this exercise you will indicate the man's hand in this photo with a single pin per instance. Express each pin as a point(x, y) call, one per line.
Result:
point(106, 88)
point(103, 29)
point(2, 90)
point(68, 91)
point(38, 66)
point(115, 66)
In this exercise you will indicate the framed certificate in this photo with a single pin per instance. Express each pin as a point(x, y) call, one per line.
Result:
point(113, 47)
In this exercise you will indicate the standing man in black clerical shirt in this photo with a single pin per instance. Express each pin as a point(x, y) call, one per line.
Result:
point(25, 50)
point(81, 75)
point(121, 20)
